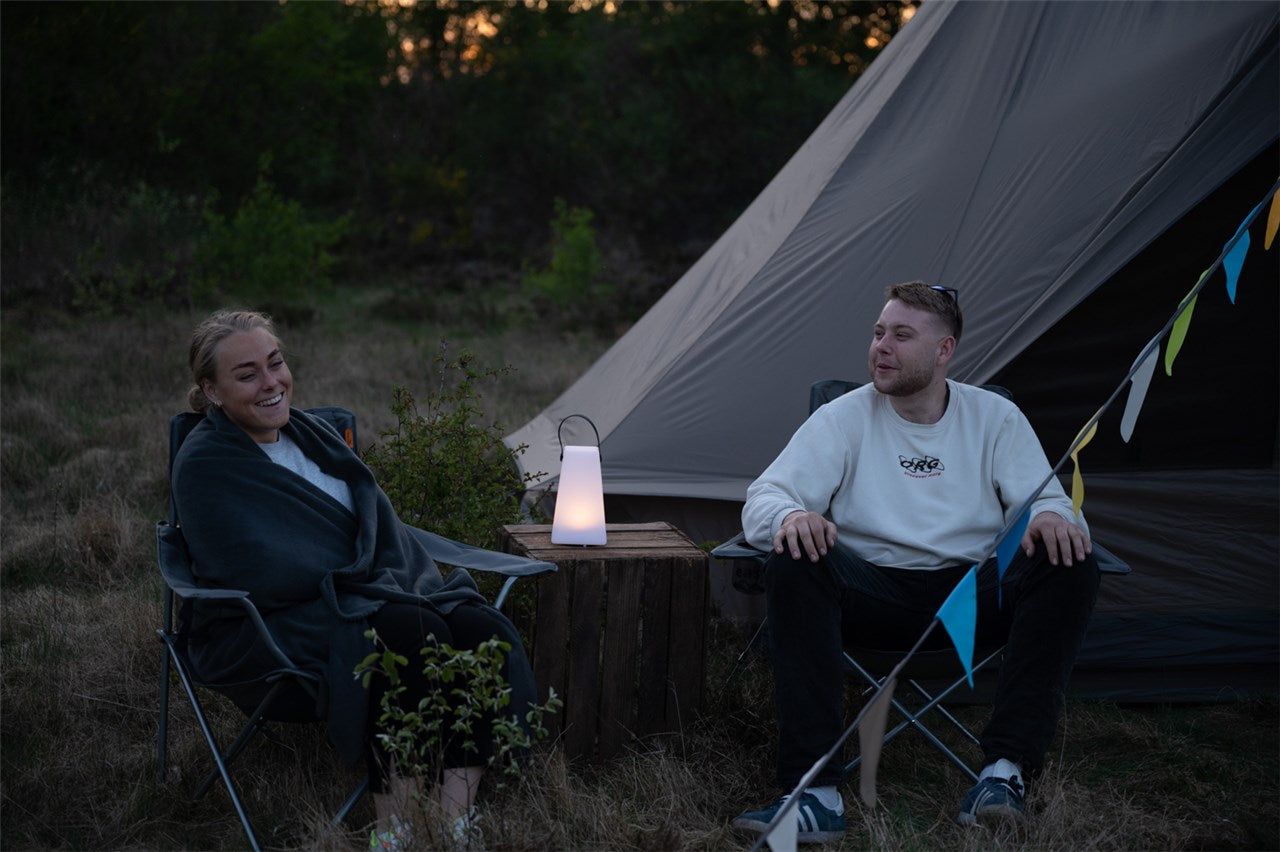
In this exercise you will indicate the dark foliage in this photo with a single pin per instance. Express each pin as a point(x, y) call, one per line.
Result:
point(442, 130)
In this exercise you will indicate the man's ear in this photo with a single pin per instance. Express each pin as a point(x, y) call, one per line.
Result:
point(946, 348)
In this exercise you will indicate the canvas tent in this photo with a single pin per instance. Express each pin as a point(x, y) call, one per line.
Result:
point(1070, 168)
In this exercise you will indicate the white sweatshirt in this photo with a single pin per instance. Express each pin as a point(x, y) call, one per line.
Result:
point(903, 494)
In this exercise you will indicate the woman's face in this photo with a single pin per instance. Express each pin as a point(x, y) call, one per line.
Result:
point(252, 383)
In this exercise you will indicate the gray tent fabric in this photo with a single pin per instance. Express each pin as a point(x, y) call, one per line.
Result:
point(1026, 154)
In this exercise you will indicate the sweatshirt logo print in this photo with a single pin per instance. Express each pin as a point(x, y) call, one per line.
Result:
point(921, 468)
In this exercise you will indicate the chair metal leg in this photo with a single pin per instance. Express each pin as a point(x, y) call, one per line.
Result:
point(911, 719)
point(946, 714)
point(928, 735)
point(217, 754)
point(914, 722)
point(162, 729)
point(502, 594)
point(255, 724)
point(350, 803)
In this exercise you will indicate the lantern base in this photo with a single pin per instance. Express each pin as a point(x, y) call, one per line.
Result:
point(591, 536)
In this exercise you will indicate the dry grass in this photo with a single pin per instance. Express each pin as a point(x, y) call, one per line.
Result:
point(83, 471)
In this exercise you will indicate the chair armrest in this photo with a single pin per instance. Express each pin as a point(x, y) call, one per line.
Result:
point(175, 567)
point(1108, 562)
point(461, 555)
point(737, 548)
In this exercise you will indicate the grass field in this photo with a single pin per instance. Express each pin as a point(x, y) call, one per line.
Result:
point(85, 405)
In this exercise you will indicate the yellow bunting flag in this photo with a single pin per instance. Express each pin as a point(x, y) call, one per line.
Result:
point(1179, 331)
point(1273, 221)
point(1077, 481)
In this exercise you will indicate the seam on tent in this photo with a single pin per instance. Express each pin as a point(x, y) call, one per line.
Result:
point(995, 134)
point(944, 12)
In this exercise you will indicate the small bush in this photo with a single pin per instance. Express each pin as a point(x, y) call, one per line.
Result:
point(80, 240)
point(572, 286)
point(470, 692)
point(143, 255)
point(444, 467)
point(270, 254)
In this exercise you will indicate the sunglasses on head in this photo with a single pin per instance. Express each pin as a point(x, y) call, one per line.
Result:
point(950, 291)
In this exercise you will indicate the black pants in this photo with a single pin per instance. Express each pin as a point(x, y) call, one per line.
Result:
point(406, 628)
point(814, 607)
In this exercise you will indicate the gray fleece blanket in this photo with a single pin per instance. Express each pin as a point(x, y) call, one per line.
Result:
point(314, 570)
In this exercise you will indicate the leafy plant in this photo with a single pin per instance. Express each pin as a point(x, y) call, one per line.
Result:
point(470, 696)
point(573, 281)
point(269, 252)
point(139, 251)
point(443, 464)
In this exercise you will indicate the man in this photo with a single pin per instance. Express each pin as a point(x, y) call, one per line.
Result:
point(879, 504)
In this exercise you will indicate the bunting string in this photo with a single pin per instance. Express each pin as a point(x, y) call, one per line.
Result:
point(958, 613)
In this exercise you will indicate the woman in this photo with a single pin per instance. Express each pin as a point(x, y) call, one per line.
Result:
point(272, 501)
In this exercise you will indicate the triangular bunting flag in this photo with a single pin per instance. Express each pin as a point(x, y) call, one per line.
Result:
point(1179, 332)
point(782, 838)
point(1232, 263)
point(1077, 481)
point(1007, 549)
point(871, 740)
point(959, 614)
point(1273, 221)
point(1138, 391)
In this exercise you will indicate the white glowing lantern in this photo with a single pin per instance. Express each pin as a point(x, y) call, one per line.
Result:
point(579, 517)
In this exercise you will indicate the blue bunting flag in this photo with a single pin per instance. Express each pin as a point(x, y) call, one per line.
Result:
point(959, 614)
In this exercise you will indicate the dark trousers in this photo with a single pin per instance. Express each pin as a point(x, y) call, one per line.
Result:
point(813, 608)
point(406, 628)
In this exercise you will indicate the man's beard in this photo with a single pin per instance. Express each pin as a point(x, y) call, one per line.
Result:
point(905, 382)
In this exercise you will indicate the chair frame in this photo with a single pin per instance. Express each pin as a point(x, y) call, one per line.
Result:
point(820, 393)
point(175, 567)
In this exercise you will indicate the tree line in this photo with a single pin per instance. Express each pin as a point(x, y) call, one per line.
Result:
point(437, 130)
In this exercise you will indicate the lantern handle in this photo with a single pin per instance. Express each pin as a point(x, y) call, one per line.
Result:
point(561, 426)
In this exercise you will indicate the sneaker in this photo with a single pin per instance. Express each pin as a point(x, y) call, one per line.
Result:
point(993, 797)
point(464, 831)
point(398, 839)
point(818, 824)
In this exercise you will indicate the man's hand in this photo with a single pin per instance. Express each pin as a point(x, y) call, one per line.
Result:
point(807, 530)
point(1062, 539)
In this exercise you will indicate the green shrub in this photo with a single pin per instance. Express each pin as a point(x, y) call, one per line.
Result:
point(140, 253)
point(572, 286)
point(444, 467)
point(269, 253)
point(470, 692)
point(79, 239)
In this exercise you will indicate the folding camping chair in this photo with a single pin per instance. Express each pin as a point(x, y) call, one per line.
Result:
point(870, 666)
point(291, 691)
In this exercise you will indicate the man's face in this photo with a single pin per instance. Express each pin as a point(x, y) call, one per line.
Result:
point(907, 351)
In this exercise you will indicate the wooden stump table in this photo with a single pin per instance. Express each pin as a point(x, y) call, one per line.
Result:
point(618, 633)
